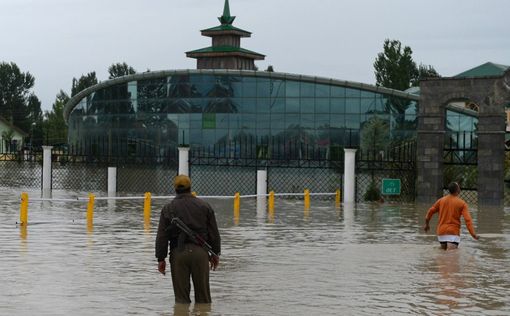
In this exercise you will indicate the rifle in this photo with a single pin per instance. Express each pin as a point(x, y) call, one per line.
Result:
point(196, 238)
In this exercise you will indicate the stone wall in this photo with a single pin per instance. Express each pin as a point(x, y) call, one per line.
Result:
point(491, 94)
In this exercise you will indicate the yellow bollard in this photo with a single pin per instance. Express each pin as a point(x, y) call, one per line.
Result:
point(237, 202)
point(337, 198)
point(90, 209)
point(271, 202)
point(194, 193)
point(23, 214)
point(307, 199)
point(237, 207)
point(147, 205)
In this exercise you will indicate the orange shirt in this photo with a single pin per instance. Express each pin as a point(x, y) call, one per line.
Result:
point(450, 209)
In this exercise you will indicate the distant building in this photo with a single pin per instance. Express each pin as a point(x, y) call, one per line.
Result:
point(11, 137)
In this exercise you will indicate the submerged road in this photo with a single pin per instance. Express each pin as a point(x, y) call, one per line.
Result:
point(367, 260)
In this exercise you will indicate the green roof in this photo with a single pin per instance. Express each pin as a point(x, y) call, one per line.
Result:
point(225, 27)
point(224, 49)
point(486, 70)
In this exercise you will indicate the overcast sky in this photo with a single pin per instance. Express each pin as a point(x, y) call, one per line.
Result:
point(57, 40)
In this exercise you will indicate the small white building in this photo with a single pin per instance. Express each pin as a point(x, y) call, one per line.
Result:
point(11, 137)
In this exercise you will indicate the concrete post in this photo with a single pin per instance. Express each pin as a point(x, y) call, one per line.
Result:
point(184, 161)
point(46, 176)
point(350, 175)
point(112, 181)
point(262, 183)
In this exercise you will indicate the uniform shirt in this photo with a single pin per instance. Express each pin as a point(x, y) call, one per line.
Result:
point(450, 209)
point(196, 214)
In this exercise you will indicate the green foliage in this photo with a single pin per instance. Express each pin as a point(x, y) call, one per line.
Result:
point(424, 72)
point(55, 128)
point(396, 69)
point(465, 175)
point(119, 70)
point(375, 134)
point(372, 194)
point(83, 83)
point(18, 104)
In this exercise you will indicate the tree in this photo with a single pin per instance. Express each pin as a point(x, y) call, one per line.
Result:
point(394, 67)
point(424, 72)
point(83, 83)
point(375, 135)
point(119, 70)
point(18, 104)
point(54, 125)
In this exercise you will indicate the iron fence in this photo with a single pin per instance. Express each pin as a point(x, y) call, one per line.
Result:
point(218, 180)
point(146, 178)
point(76, 168)
point(20, 174)
point(291, 167)
point(460, 164)
point(396, 163)
point(295, 180)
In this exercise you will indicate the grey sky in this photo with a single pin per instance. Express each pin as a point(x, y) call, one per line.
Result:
point(57, 40)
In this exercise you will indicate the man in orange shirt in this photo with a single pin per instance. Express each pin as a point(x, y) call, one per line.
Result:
point(450, 209)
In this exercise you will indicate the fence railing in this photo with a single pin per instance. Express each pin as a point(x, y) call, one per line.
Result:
point(290, 165)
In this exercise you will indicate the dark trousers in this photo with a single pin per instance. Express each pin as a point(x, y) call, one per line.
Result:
point(190, 260)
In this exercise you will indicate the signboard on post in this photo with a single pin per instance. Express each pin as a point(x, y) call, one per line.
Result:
point(390, 187)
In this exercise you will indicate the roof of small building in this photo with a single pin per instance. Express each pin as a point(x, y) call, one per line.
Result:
point(13, 127)
point(224, 49)
point(485, 70)
point(225, 28)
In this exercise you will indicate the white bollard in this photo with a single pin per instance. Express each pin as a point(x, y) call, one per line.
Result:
point(350, 175)
point(184, 161)
point(112, 181)
point(262, 182)
point(46, 176)
point(261, 192)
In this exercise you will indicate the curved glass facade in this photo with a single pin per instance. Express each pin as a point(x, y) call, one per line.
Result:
point(204, 110)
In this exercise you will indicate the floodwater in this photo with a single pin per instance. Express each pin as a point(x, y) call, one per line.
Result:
point(367, 260)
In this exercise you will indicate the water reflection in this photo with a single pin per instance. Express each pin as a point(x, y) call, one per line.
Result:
point(194, 310)
point(450, 282)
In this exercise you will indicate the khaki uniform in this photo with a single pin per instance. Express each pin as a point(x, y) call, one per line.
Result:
point(187, 259)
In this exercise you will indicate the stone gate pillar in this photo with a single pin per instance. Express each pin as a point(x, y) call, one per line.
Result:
point(430, 143)
point(491, 148)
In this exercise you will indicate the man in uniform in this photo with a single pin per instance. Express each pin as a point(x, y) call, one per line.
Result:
point(450, 209)
point(187, 258)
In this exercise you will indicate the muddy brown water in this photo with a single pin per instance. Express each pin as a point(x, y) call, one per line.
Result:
point(362, 260)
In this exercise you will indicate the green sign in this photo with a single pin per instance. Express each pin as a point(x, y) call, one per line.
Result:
point(391, 186)
point(209, 120)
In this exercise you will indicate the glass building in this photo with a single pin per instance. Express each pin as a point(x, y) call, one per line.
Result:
point(204, 108)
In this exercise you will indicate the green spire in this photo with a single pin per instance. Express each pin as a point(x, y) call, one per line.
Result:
point(226, 18)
